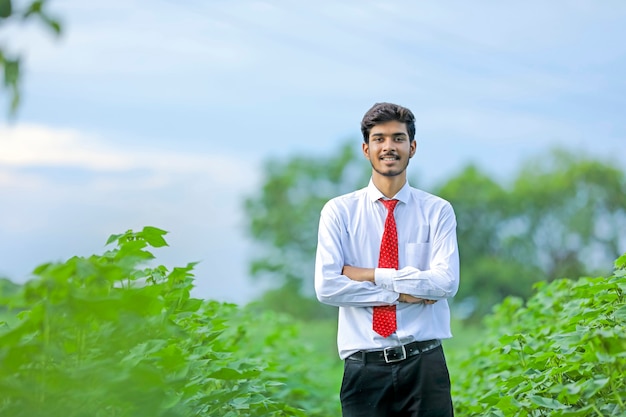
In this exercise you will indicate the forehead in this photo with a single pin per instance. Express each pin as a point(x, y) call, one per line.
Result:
point(392, 127)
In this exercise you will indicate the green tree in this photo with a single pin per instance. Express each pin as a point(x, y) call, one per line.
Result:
point(283, 217)
point(570, 213)
point(10, 62)
point(560, 217)
point(483, 208)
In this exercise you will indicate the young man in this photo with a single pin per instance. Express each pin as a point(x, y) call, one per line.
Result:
point(387, 256)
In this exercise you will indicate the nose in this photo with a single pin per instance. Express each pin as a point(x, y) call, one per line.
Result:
point(389, 143)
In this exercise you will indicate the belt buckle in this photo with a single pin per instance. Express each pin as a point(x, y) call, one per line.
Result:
point(395, 350)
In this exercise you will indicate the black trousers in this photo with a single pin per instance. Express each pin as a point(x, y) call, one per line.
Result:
point(415, 387)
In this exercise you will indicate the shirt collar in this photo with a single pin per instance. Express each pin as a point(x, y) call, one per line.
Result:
point(374, 193)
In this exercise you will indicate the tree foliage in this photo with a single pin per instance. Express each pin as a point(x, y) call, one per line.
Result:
point(284, 214)
point(560, 217)
point(10, 62)
point(573, 209)
point(483, 207)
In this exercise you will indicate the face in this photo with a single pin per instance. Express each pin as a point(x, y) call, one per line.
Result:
point(389, 148)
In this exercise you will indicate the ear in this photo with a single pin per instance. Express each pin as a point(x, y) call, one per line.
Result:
point(366, 150)
point(413, 148)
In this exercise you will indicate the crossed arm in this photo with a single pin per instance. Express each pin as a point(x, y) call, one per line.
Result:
point(367, 274)
point(338, 283)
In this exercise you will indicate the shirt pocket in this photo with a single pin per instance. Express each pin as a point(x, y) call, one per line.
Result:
point(419, 234)
point(418, 255)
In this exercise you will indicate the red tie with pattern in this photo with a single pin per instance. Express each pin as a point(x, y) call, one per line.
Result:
point(384, 320)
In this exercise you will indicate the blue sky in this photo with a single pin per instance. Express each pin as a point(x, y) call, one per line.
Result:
point(162, 112)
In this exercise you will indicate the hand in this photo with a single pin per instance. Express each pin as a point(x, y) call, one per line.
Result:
point(406, 298)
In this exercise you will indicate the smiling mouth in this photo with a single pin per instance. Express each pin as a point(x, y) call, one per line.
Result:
point(390, 158)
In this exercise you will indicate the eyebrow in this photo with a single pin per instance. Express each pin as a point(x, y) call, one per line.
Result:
point(393, 134)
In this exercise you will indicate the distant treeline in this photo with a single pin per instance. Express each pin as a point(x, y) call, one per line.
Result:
point(562, 215)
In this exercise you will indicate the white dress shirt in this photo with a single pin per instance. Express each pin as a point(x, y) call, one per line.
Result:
point(350, 231)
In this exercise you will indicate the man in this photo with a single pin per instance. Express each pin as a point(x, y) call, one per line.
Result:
point(387, 256)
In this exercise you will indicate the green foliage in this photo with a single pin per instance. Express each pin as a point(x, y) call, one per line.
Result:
point(290, 301)
point(284, 214)
point(563, 353)
point(107, 336)
point(6, 8)
point(11, 63)
point(305, 376)
point(8, 288)
point(483, 208)
point(574, 209)
point(561, 217)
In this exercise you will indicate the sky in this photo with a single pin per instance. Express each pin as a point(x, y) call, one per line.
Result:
point(163, 112)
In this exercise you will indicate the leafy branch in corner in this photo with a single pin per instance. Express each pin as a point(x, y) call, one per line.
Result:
point(10, 62)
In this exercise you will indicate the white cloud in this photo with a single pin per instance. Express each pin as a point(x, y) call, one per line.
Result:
point(28, 145)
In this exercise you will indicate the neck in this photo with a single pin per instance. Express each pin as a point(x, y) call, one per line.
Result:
point(389, 186)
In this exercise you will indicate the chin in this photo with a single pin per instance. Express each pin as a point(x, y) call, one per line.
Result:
point(389, 172)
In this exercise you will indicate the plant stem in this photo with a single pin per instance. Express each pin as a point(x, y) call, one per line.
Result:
point(597, 411)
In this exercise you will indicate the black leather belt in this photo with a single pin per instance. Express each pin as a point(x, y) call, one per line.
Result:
point(395, 353)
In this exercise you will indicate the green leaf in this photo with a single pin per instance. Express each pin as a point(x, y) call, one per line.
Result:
point(192, 304)
point(226, 373)
point(5, 8)
point(153, 236)
point(53, 24)
point(547, 402)
point(11, 71)
point(620, 313)
point(33, 8)
point(113, 238)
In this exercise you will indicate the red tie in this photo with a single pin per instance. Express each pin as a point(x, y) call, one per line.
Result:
point(384, 320)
